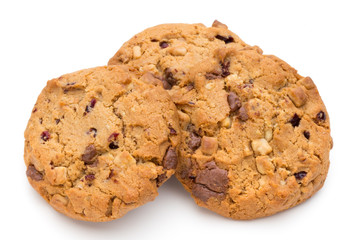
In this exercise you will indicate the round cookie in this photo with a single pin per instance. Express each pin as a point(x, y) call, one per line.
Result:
point(166, 53)
point(100, 142)
point(256, 140)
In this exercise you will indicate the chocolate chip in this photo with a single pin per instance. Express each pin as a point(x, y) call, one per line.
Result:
point(203, 193)
point(213, 177)
point(295, 120)
point(92, 131)
point(113, 137)
point(306, 134)
point(227, 40)
point(321, 116)
point(300, 175)
point(212, 75)
point(190, 86)
point(45, 136)
point(111, 174)
point(172, 131)
point(163, 44)
point(170, 158)
point(225, 65)
point(154, 40)
point(57, 121)
point(40, 120)
point(169, 80)
point(89, 154)
point(90, 177)
point(113, 145)
point(242, 114)
point(70, 84)
point(234, 102)
point(160, 179)
point(34, 174)
point(194, 142)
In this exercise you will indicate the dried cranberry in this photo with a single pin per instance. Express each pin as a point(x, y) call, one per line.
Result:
point(321, 116)
point(227, 40)
point(113, 136)
point(45, 135)
point(306, 134)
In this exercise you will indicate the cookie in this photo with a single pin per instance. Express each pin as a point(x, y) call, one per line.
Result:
point(100, 142)
point(166, 53)
point(256, 134)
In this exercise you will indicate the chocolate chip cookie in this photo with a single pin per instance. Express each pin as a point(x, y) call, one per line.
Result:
point(165, 53)
point(256, 134)
point(100, 142)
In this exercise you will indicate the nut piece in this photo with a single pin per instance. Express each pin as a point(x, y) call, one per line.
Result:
point(136, 52)
point(226, 122)
point(261, 146)
point(268, 135)
point(218, 24)
point(59, 175)
point(209, 145)
point(264, 165)
point(298, 96)
point(178, 51)
point(184, 119)
point(307, 82)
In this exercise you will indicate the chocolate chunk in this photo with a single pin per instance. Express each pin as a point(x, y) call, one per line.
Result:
point(306, 134)
point(111, 174)
point(213, 75)
point(169, 80)
point(90, 177)
point(160, 179)
point(194, 142)
point(295, 120)
point(34, 174)
point(172, 131)
point(300, 175)
point(113, 137)
point(170, 158)
point(213, 178)
point(234, 102)
point(154, 40)
point(45, 135)
point(113, 145)
point(203, 193)
point(89, 154)
point(227, 40)
point(242, 114)
point(321, 116)
point(225, 65)
point(163, 44)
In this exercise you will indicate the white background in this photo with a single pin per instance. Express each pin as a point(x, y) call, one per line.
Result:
point(43, 40)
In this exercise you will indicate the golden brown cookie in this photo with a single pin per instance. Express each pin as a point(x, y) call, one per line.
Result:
point(100, 142)
point(256, 134)
point(166, 53)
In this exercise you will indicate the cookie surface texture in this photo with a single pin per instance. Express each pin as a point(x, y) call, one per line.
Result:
point(256, 139)
point(169, 51)
point(100, 142)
